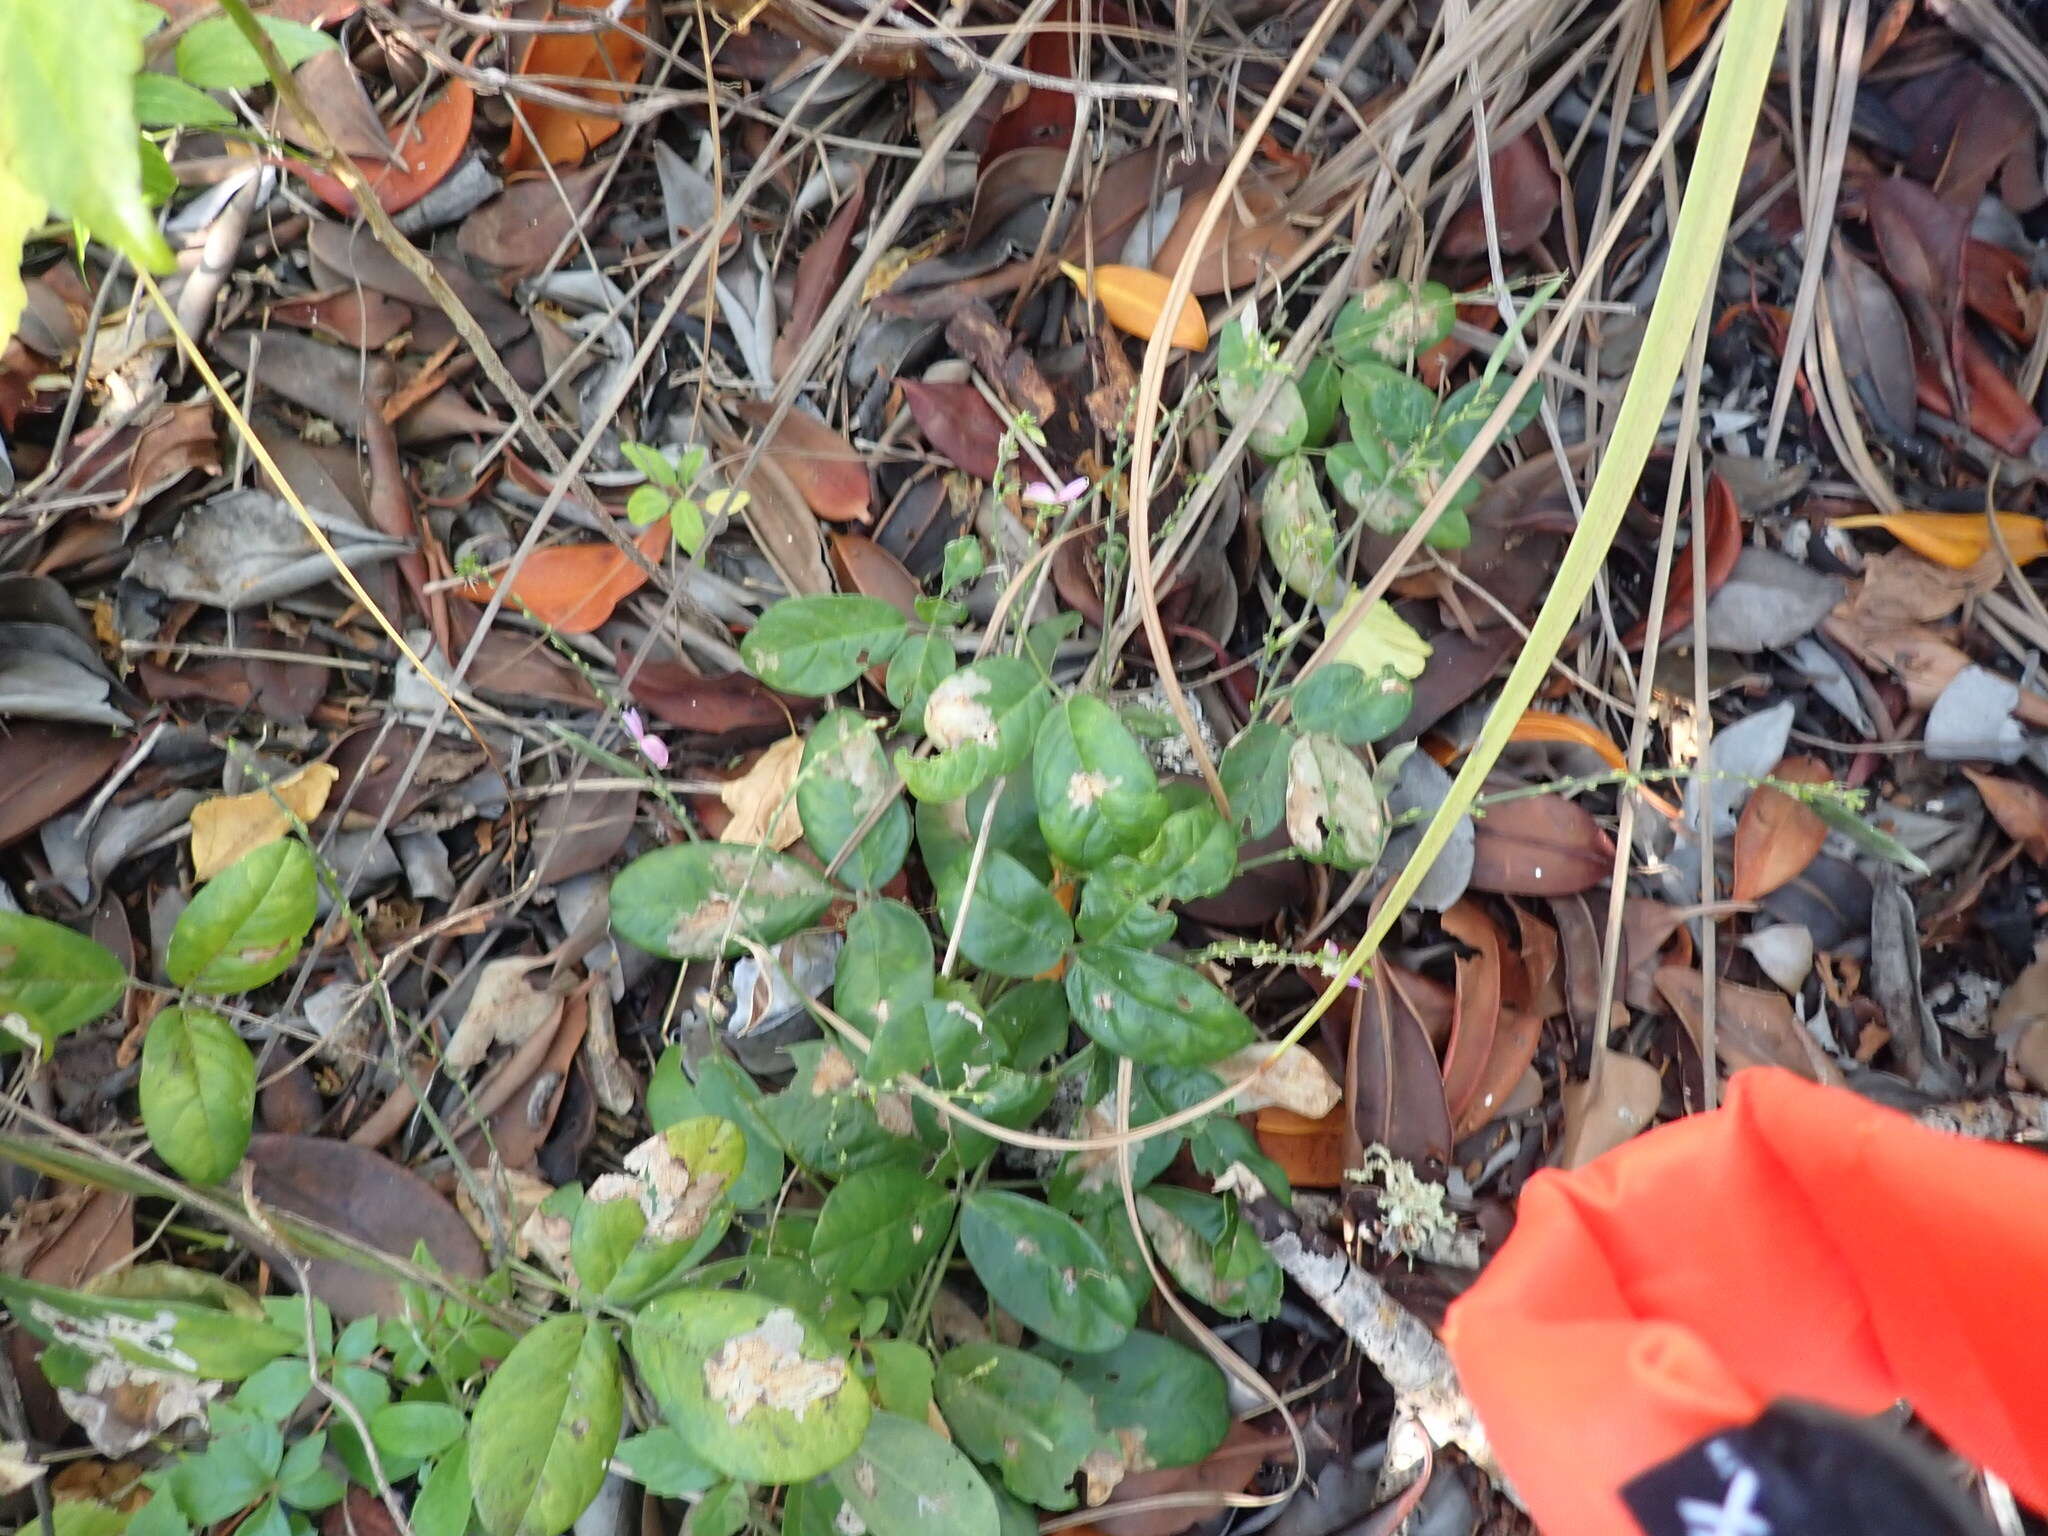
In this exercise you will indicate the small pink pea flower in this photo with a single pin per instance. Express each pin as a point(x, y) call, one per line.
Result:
point(652, 747)
point(1064, 496)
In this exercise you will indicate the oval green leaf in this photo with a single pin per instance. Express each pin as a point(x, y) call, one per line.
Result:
point(1152, 1008)
point(198, 1093)
point(545, 1427)
point(749, 1384)
point(1019, 1414)
point(818, 645)
point(1171, 1405)
point(906, 1480)
point(246, 924)
point(845, 776)
point(1097, 793)
point(1041, 1268)
point(1014, 926)
point(53, 978)
point(880, 1227)
point(695, 901)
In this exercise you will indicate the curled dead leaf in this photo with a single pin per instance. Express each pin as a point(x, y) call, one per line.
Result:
point(228, 826)
point(1778, 835)
point(763, 799)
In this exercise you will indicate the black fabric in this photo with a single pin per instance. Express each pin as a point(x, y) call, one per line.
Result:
point(1802, 1470)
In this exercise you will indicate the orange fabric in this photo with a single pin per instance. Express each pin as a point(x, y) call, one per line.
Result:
point(1800, 1241)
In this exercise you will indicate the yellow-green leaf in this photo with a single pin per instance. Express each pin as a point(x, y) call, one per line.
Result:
point(67, 119)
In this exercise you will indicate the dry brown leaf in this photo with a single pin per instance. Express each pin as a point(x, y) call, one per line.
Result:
point(1250, 240)
point(1900, 588)
point(2020, 809)
point(827, 470)
point(1479, 1004)
point(762, 801)
point(229, 826)
point(1605, 1110)
point(1752, 1027)
point(1298, 1081)
point(1778, 835)
point(505, 1009)
point(1542, 846)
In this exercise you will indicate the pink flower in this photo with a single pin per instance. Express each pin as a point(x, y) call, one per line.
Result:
point(652, 747)
point(1065, 496)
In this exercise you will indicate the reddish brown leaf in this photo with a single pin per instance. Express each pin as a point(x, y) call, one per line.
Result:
point(1920, 240)
point(733, 704)
point(863, 566)
point(2020, 809)
point(429, 146)
point(1723, 532)
point(1752, 1027)
point(1250, 240)
point(45, 766)
point(1393, 1085)
point(957, 422)
point(1006, 184)
point(1994, 281)
point(362, 1513)
point(819, 272)
point(1778, 835)
point(1998, 412)
point(1044, 118)
point(1542, 964)
point(1514, 1048)
point(610, 59)
point(1479, 1004)
point(353, 316)
point(1525, 200)
point(176, 440)
point(826, 469)
point(519, 228)
point(1542, 846)
point(1310, 1152)
point(575, 587)
point(373, 1204)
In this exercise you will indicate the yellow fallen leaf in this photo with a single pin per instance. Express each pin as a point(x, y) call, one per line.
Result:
point(1957, 540)
point(1135, 300)
point(228, 826)
point(762, 805)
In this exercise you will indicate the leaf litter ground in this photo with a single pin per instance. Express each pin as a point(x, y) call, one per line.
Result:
point(727, 422)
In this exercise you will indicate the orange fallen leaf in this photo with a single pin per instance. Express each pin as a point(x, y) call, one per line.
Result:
point(1957, 540)
point(575, 587)
point(429, 145)
point(1548, 725)
point(1135, 302)
point(1686, 25)
point(1309, 1152)
point(1779, 834)
point(610, 59)
point(2020, 809)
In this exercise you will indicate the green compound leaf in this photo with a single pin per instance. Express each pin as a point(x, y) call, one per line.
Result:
point(879, 1227)
point(1171, 1403)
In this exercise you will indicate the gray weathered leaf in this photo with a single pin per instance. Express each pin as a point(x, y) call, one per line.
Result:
point(1768, 600)
point(245, 548)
